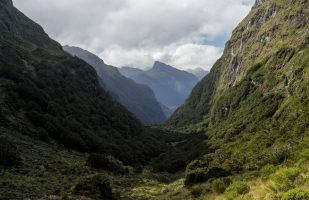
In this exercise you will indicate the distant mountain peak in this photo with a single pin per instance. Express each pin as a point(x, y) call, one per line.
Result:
point(161, 66)
point(76, 51)
point(137, 98)
point(170, 85)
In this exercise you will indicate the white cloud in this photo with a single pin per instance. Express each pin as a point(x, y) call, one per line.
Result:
point(194, 55)
point(181, 56)
point(136, 32)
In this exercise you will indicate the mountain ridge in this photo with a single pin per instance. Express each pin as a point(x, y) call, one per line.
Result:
point(138, 99)
point(170, 85)
point(49, 95)
point(254, 103)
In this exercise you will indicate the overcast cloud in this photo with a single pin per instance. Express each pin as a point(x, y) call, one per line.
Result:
point(182, 33)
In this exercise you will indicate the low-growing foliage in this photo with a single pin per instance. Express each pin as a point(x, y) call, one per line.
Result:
point(96, 187)
point(9, 155)
point(203, 174)
point(284, 178)
point(267, 170)
point(236, 189)
point(220, 185)
point(296, 194)
point(100, 161)
point(196, 192)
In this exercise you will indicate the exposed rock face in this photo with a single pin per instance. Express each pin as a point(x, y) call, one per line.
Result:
point(255, 100)
point(273, 28)
point(258, 2)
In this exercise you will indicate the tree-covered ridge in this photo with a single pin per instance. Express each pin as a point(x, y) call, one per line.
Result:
point(48, 94)
point(137, 98)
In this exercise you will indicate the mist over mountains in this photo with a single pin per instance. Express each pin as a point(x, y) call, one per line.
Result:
point(73, 127)
point(198, 72)
point(170, 85)
point(137, 98)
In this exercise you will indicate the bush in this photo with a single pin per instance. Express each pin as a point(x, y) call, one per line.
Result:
point(138, 168)
point(95, 187)
point(100, 161)
point(267, 170)
point(296, 194)
point(220, 185)
point(196, 192)
point(170, 162)
point(195, 176)
point(203, 174)
point(284, 178)
point(9, 155)
point(236, 189)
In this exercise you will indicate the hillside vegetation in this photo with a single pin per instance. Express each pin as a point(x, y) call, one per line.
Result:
point(244, 129)
point(49, 95)
point(254, 104)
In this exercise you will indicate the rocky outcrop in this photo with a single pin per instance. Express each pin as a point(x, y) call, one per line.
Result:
point(270, 28)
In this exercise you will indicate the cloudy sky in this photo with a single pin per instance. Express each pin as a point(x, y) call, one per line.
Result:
point(182, 33)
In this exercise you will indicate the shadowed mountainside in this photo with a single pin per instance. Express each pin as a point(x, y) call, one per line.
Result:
point(137, 98)
point(170, 85)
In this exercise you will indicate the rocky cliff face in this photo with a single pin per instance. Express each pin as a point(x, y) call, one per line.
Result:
point(254, 104)
point(277, 28)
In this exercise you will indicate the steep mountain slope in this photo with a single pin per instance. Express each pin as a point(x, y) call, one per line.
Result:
point(171, 86)
point(49, 95)
point(254, 104)
point(137, 98)
point(198, 72)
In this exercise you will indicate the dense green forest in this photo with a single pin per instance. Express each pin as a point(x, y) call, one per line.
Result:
point(242, 134)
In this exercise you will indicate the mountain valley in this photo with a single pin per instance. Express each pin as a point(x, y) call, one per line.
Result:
point(73, 127)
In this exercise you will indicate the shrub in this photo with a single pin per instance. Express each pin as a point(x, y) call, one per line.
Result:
point(100, 161)
point(199, 171)
point(9, 155)
point(203, 174)
point(196, 192)
point(267, 170)
point(216, 172)
point(284, 178)
point(95, 187)
point(246, 197)
point(172, 162)
point(195, 176)
point(296, 194)
point(220, 185)
point(236, 189)
point(138, 168)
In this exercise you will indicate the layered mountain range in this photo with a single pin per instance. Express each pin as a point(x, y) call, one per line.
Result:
point(137, 98)
point(170, 85)
point(243, 133)
point(48, 94)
